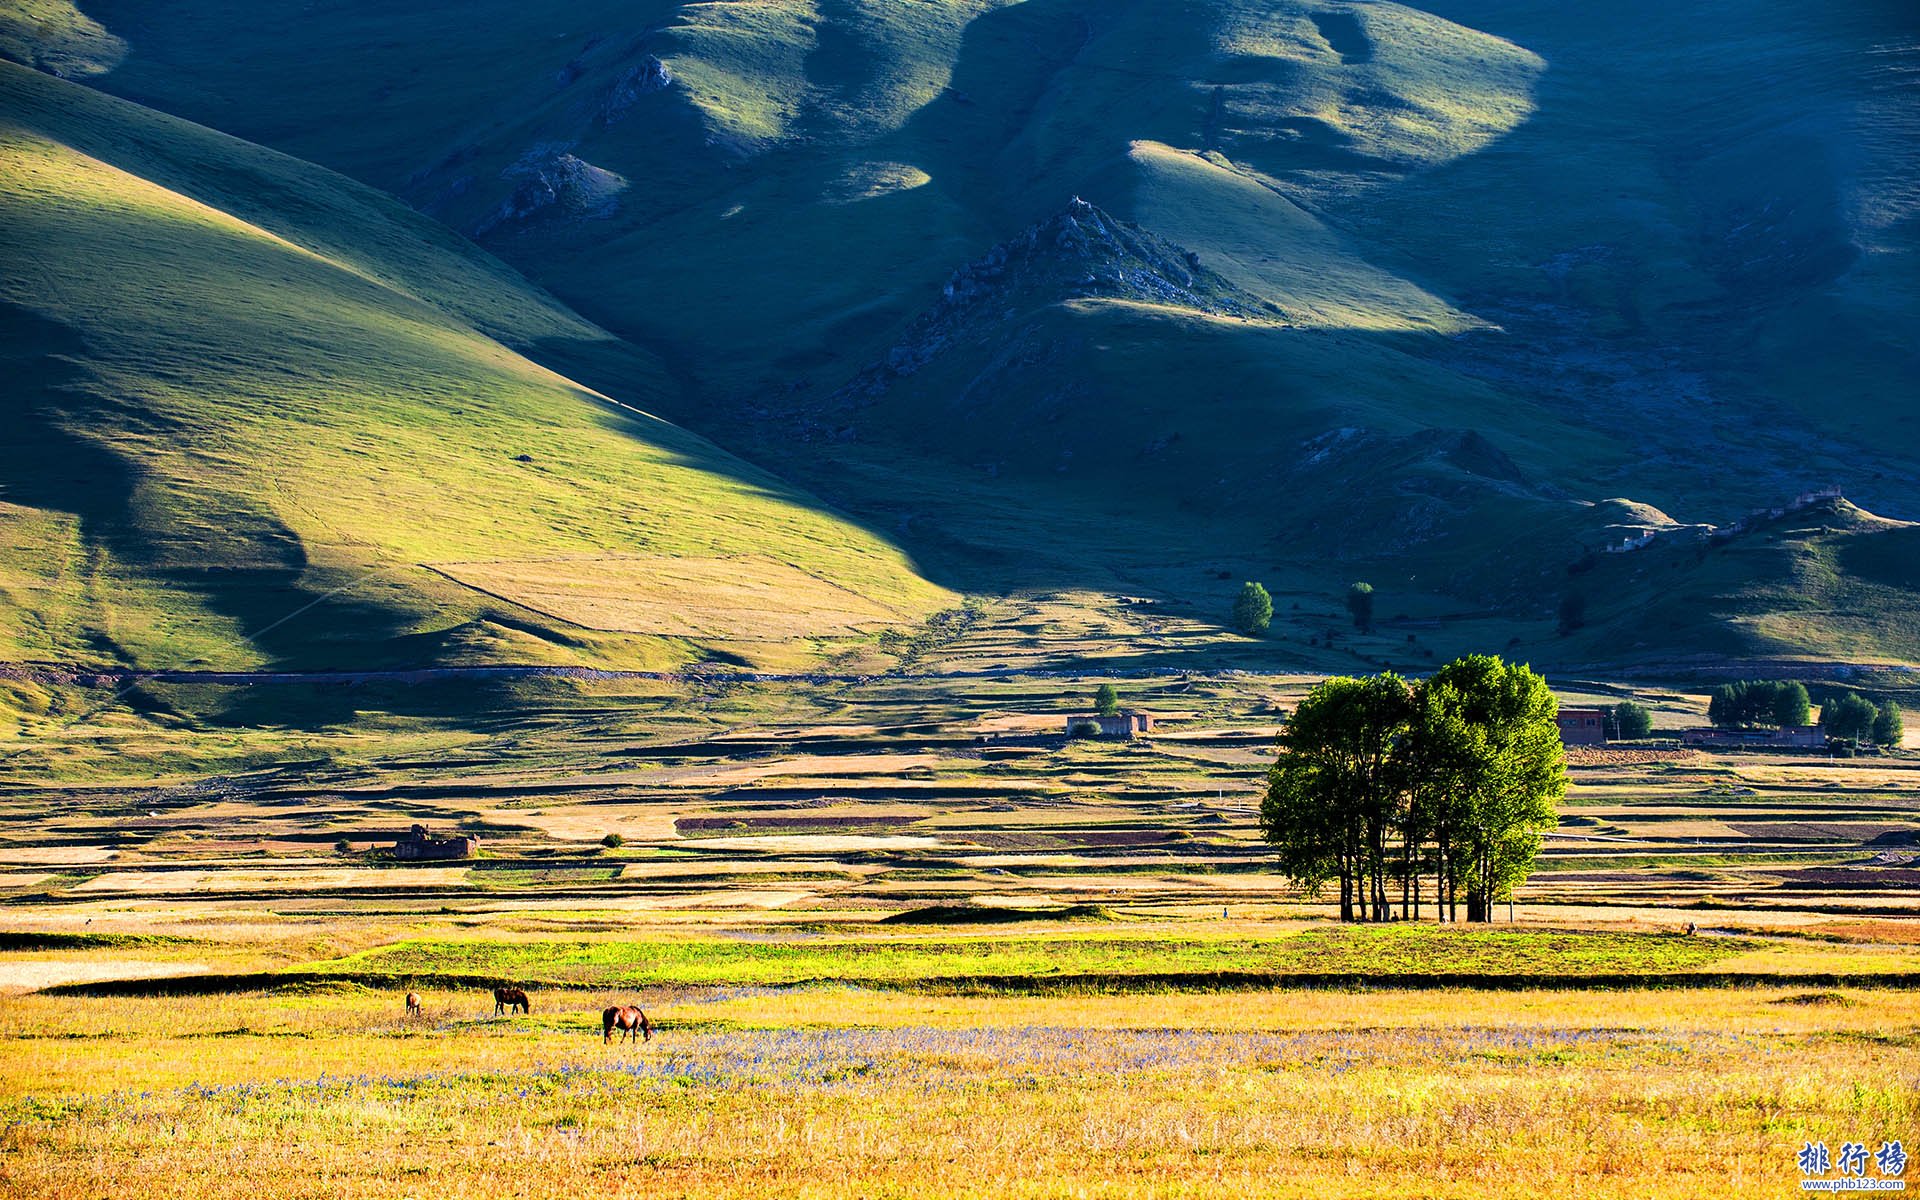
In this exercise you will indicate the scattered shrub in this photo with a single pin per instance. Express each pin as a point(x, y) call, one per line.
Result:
point(1360, 605)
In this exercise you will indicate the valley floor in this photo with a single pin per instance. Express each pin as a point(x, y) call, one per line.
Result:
point(902, 937)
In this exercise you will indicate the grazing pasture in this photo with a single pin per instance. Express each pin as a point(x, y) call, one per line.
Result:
point(830, 1090)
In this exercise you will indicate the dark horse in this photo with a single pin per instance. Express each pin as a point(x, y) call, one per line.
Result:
point(506, 999)
point(629, 1020)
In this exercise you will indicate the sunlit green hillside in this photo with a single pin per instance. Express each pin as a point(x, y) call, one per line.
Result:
point(262, 415)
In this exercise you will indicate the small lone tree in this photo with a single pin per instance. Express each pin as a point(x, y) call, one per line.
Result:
point(1106, 700)
point(1360, 604)
point(1889, 729)
point(1252, 609)
point(1631, 720)
point(613, 841)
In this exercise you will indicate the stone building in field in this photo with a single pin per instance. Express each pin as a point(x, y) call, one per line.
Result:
point(1121, 725)
point(421, 846)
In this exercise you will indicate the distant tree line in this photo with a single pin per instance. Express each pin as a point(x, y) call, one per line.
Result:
point(1383, 783)
point(1844, 713)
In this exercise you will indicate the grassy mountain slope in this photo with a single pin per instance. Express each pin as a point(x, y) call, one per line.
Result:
point(921, 133)
point(1830, 582)
point(265, 416)
point(55, 37)
point(1490, 260)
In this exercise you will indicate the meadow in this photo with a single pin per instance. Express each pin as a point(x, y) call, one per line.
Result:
point(835, 1091)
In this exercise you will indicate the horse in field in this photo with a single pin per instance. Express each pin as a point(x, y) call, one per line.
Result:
point(629, 1020)
point(510, 999)
point(413, 1004)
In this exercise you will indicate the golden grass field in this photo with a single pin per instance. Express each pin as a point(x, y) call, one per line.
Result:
point(829, 1092)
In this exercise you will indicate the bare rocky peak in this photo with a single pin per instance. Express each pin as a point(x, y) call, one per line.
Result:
point(549, 181)
point(1080, 253)
point(643, 78)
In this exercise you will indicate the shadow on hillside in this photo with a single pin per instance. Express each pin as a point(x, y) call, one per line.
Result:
point(217, 553)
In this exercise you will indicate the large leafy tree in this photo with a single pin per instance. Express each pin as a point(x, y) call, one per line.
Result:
point(1505, 770)
point(1434, 763)
point(1335, 793)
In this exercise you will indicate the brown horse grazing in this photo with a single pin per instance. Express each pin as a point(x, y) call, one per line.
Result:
point(413, 1004)
point(506, 999)
point(629, 1020)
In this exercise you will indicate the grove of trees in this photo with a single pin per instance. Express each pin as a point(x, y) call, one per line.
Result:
point(1844, 713)
point(1760, 702)
point(1851, 715)
point(1383, 784)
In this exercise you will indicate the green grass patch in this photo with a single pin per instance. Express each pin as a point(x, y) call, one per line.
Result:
point(1384, 951)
